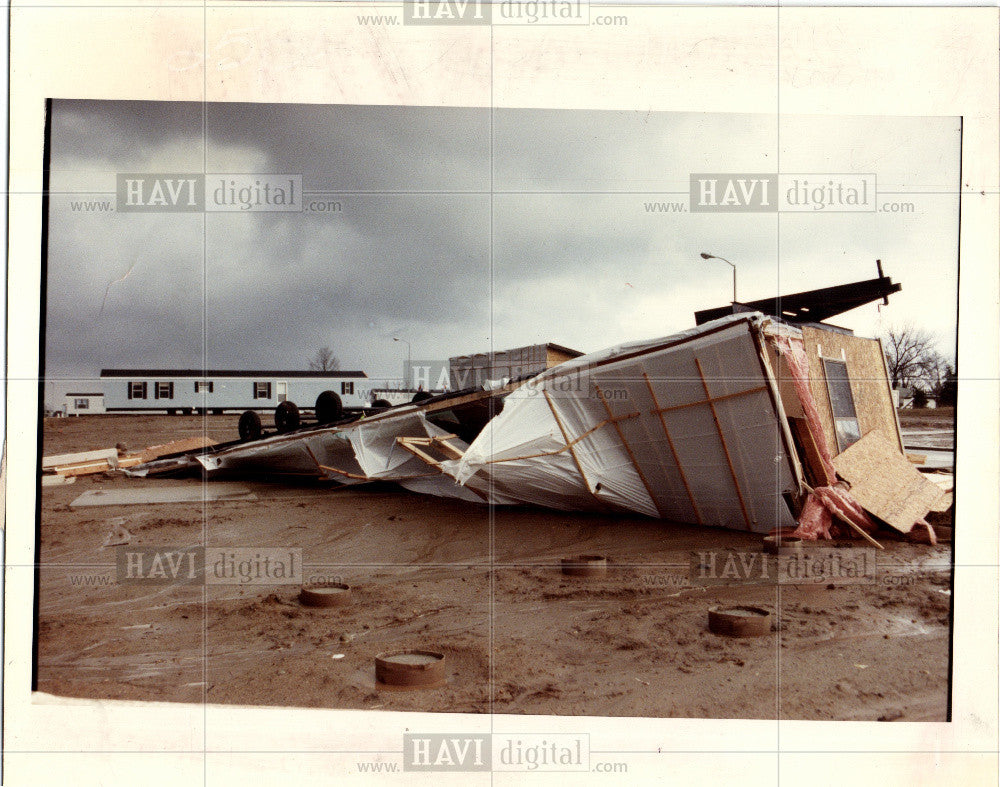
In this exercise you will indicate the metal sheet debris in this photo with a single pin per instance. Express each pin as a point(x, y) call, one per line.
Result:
point(145, 495)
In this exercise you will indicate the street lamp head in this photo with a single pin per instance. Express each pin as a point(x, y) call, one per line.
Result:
point(705, 256)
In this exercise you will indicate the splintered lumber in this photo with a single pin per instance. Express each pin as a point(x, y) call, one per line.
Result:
point(885, 483)
point(87, 468)
point(57, 480)
point(175, 447)
point(947, 483)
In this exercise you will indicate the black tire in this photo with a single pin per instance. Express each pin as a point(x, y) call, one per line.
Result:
point(286, 417)
point(420, 396)
point(381, 403)
point(329, 408)
point(250, 426)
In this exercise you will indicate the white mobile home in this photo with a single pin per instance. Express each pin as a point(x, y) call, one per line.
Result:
point(220, 390)
point(83, 404)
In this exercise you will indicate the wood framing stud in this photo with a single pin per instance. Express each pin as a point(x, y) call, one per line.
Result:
point(569, 445)
point(628, 449)
point(725, 448)
point(673, 450)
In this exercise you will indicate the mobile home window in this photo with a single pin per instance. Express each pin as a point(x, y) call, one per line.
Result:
point(347, 388)
point(203, 386)
point(164, 391)
point(81, 404)
point(262, 390)
point(137, 390)
point(845, 416)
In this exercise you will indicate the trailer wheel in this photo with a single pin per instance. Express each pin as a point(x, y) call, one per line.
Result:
point(419, 396)
point(381, 403)
point(286, 417)
point(328, 407)
point(250, 426)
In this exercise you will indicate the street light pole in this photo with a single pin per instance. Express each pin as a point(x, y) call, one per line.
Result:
point(706, 256)
point(409, 361)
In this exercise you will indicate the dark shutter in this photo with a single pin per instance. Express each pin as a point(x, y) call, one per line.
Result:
point(128, 386)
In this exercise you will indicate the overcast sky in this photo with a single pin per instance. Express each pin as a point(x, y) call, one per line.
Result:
point(421, 250)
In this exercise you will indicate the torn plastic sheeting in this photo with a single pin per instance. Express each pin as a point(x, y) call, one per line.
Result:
point(510, 457)
point(440, 486)
point(379, 454)
point(273, 455)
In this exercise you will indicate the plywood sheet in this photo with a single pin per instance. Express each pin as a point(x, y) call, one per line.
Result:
point(884, 482)
point(866, 368)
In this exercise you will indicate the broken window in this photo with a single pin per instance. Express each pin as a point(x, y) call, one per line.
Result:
point(137, 390)
point(262, 390)
point(347, 388)
point(164, 391)
point(203, 386)
point(845, 417)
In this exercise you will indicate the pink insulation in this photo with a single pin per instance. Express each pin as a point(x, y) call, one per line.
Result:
point(832, 499)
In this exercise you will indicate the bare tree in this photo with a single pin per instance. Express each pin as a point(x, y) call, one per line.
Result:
point(324, 361)
point(910, 356)
point(933, 371)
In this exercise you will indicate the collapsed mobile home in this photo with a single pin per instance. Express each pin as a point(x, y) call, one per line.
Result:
point(748, 421)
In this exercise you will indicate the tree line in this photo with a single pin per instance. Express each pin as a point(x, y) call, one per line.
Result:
point(913, 361)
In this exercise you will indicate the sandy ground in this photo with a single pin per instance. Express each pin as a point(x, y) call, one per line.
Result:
point(481, 586)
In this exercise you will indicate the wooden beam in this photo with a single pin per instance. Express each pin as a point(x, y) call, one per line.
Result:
point(712, 399)
point(569, 445)
point(725, 448)
point(411, 444)
point(628, 449)
point(673, 450)
point(344, 473)
point(442, 444)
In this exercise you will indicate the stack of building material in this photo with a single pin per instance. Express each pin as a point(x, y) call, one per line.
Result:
point(105, 459)
point(84, 463)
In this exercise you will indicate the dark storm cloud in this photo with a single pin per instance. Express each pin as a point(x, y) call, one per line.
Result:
point(443, 264)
